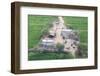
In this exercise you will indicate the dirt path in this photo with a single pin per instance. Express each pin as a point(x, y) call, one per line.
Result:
point(58, 28)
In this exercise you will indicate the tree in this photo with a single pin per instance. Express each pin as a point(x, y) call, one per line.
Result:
point(60, 47)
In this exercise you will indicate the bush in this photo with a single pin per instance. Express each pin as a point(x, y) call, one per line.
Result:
point(82, 51)
point(60, 47)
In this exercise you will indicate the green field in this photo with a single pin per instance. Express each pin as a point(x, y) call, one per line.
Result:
point(38, 25)
point(49, 55)
point(79, 24)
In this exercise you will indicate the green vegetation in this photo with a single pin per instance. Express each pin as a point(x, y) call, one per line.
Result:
point(36, 55)
point(39, 25)
point(81, 25)
point(77, 23)
point(60, 47)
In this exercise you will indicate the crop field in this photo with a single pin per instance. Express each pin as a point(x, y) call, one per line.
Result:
point(39, 25)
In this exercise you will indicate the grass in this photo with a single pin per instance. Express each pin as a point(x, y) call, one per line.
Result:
point(79, 24)
point(83, 53)
point(36, 55)
point(37, 25)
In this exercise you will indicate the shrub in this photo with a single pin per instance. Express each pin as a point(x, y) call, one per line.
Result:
point(60, 47)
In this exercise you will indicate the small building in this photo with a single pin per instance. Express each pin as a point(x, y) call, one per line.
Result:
point(65, 33)
point(71, 40)
point(48, 44)
point(69, 34)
